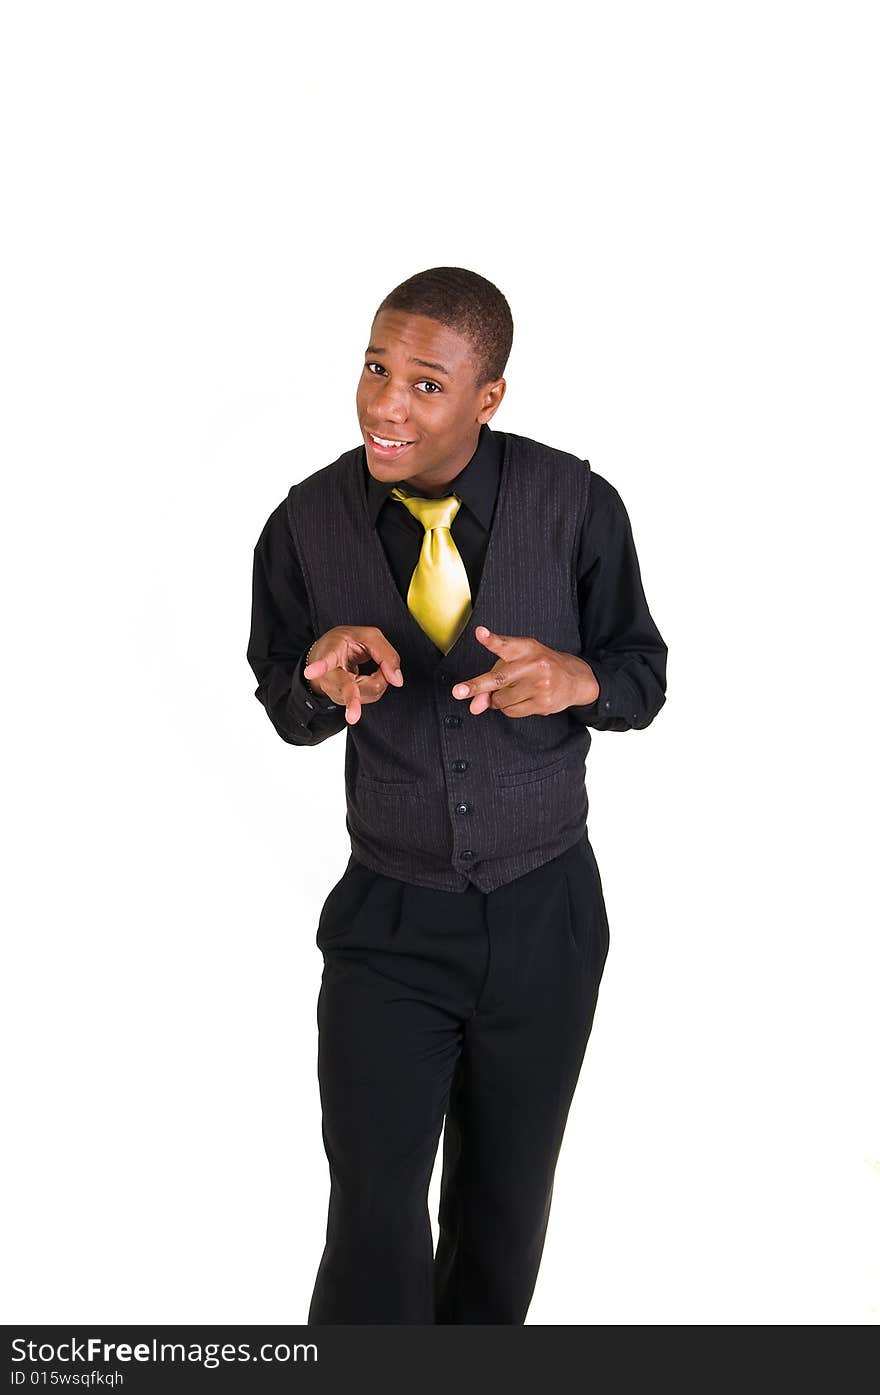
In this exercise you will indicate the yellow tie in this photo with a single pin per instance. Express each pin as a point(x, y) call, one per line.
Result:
point(439, 595)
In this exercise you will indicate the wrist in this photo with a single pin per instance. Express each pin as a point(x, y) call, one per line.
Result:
point(586, 686)
point(315, 691)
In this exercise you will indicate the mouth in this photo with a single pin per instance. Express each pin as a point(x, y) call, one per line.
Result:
point(387, 447)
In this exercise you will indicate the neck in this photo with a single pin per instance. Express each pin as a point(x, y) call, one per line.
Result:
point(438, 491)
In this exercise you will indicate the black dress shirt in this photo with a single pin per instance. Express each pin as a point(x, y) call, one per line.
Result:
point(621, 643)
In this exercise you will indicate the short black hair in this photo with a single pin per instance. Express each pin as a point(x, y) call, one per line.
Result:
point(466, 303)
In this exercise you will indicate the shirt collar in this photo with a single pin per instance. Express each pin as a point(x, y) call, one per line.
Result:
point(476, 485)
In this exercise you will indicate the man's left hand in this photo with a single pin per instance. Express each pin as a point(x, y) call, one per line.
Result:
point(529, 679)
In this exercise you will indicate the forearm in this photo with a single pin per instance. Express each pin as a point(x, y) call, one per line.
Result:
point(632, 690)
point(300, 717)
point(619, 639)
point(280, 638)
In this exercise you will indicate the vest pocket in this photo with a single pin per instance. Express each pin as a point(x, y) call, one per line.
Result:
point(542, 807)
point(371, 785)
point(510, 778)
point(394, 824)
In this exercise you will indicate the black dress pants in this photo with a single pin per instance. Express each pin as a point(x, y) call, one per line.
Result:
point(470, 1005)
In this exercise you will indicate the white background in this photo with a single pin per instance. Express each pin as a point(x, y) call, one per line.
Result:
point(205, 205)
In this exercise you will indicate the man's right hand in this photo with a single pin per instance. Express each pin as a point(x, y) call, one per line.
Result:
point(333, 670)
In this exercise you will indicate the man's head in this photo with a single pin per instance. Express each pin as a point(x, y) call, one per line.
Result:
point(432, 375)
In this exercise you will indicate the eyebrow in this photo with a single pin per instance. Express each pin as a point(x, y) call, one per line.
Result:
point(423, 362)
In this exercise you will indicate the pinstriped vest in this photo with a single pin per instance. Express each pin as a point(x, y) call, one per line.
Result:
point(434, 794)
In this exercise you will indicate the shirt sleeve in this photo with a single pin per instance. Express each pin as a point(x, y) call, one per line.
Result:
point(280, 638)
point(619, 638)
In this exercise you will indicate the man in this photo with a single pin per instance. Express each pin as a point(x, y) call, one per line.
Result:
point(466, 603)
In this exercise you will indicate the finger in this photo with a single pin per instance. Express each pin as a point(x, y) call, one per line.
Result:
point(318, 667)
point(350, 697)
point(473, 685)
point(502, 700)
point(528, 708)
point(342, 687)
point(498, 677)
point(384, 653)
point(392, 672)
point(371, 686)
point(519, 695)
point(505, 646)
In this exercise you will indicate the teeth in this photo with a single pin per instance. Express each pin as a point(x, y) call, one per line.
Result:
point(382, 442)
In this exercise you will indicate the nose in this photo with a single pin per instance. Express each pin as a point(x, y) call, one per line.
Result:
point(389, 403)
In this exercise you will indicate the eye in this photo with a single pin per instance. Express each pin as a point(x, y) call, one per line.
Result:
point(428, 382)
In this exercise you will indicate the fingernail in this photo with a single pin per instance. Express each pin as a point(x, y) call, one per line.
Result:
point(460, 690)
point(398, 675)
point(482, 631)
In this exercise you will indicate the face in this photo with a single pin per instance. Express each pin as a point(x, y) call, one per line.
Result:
point(417, 385)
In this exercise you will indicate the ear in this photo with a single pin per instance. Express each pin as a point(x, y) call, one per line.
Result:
point(492, 396)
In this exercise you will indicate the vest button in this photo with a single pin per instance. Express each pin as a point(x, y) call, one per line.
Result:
point(460, 766)
point(466, 854)
point(442, 677)
point(462, 808)
point(452, 721)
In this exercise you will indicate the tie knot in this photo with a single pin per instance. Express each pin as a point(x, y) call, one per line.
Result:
point(431, 513)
